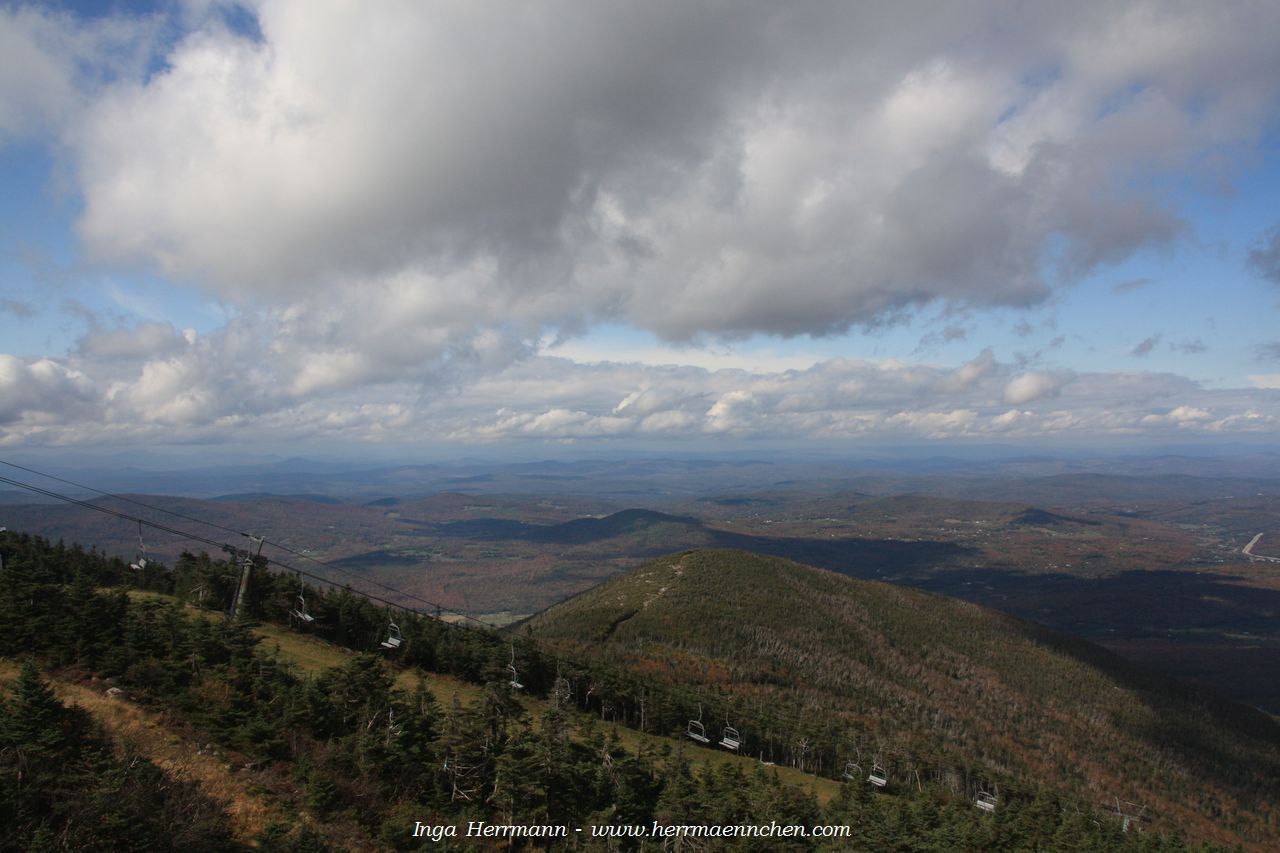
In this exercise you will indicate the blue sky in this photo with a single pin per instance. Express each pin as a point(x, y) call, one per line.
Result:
point(265, 224)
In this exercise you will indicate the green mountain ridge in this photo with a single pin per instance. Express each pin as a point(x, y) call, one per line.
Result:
point(791, 654)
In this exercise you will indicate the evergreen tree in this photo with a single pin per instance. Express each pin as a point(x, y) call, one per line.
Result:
point(34, 726)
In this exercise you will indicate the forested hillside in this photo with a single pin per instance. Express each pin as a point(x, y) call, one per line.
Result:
point(816, 669)
point(349, 745)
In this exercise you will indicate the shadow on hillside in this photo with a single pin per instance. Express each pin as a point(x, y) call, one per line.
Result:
point(1199, 625)
point(862, 558)
point(481, 529)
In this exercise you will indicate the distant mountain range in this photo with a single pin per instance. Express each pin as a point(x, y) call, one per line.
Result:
point(635, 480)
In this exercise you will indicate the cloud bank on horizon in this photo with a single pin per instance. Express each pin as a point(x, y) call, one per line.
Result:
point(405, 215)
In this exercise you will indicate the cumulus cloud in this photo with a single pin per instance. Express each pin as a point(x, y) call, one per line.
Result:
point(40, 391)
point(969, 374)
point(846, 399)
point(1029, 386)
point(687, 168)
point(55, 62)
point(1180, 416)
point(229, 390)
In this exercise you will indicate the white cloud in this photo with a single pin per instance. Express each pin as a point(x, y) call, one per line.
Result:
point(686, 168)
point(1180, 416)
point(38, 392)
point(1012, 419)
point(731, 412)
point(231, 387)
point(1030, 386)
point(932, 424)
point(966, 375)
point(1245, 422)
point(54, 62)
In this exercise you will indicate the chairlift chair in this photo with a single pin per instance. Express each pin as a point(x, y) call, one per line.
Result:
point(878, 776)
point(986, 801)
point(730, 739)
point(394, 639)
point(300, 612)
point(852, 770)
point(697, 730)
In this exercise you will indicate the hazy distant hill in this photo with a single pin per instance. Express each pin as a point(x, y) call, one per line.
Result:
point(928, 682)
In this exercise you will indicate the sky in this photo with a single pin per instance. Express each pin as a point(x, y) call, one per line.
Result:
point(305, 224)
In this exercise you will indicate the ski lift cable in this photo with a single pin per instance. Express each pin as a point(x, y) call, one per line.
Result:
point(277, 545)
point(224, 528)
point(124, 498)
point(117, 513)
point(187, 535)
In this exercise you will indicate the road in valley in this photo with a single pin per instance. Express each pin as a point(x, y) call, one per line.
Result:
point(1248, 551)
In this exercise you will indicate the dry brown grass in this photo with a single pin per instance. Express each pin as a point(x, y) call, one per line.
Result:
point(128, 725)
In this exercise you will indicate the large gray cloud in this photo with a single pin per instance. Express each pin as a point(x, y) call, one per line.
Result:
point(689, 168)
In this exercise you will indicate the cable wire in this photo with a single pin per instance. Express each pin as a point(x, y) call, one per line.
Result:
point(440, 609)
point(186, 535)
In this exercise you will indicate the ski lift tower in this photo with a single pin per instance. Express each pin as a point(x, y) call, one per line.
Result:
point(247, 561)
